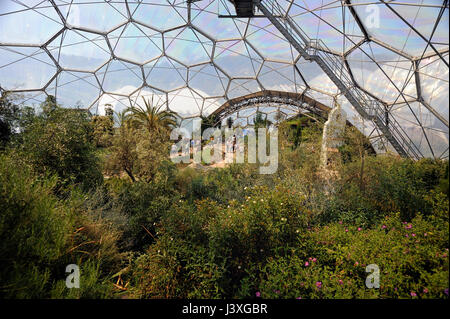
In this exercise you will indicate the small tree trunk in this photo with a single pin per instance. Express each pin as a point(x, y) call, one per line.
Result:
point(130, 175)
point(361, 171)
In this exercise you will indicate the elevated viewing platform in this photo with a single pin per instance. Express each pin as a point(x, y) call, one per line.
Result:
point(244, 8)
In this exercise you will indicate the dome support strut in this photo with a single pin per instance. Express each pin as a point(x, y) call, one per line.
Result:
point(315, 50)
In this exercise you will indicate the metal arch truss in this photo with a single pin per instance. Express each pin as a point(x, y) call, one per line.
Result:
point(297, 101)
point(419, 121)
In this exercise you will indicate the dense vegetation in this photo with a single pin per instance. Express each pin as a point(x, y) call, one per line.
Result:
point(76, 189)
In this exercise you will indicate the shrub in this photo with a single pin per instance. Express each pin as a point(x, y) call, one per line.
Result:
point(41, 234)
point(412, 258)
point(60, 143)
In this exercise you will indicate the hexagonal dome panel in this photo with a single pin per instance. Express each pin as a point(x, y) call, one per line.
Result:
point(136, 43)
point(160, 14)
point(34, 22)
point(25, 68)
point(79, 50)
point(120, 77)
point(165, 73)
point(188, 46)
point(94, 52)
point(101, 16)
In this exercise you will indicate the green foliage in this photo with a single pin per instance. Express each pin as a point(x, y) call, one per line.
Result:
point(102, 130)
point(152, 117)
point(40, 235)
point(142, 204)
point(60, 142)
point(388, 184)
point(260, 120)
point(229, 122)
point(141, 144)
point(168, 232)
point(13, 118)
point(412, 258)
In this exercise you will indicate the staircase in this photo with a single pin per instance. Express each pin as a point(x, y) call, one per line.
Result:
point(316, 51)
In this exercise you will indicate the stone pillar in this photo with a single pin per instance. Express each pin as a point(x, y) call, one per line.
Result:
point(333, 135)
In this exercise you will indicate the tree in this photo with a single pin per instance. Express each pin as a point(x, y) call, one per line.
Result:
point(136, 150)
point(229, 122)
point(49, 105)
point(60, 142)
point(13, 117)
point(260, 121)
point(123, 150)
point(109, 112)
point(209, 121)
point(152, 117)
point(279, 116)
point(103, 128)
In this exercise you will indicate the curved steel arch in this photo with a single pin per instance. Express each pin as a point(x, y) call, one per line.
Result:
point(298, 100)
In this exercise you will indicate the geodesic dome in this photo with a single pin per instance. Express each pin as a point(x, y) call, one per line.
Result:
point(194, 56)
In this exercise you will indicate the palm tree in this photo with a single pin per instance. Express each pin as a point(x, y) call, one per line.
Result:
point(151, 117)
point(209, 121)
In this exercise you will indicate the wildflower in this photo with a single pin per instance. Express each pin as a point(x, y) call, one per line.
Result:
point(306, 264)
point(425, 234)
point(413, 294)
point(340, 222)
point(298, 298)
point(359, 228)
point(414, 235)
point(341, 281)
point(258, 294)
point(319, 284)
point(314, 260)
point(356, 264)
point(383, 227)
point(446, 291)
point(276, 291)
point(425, 291)
point(409, 226)
point(346, 230)
point(310, 258)
point(406, 235)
